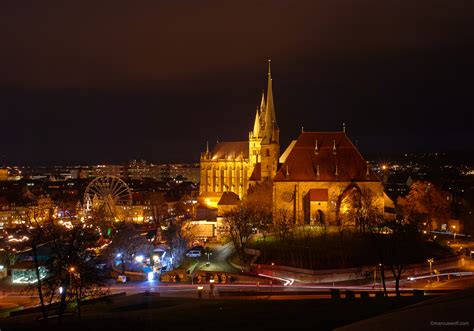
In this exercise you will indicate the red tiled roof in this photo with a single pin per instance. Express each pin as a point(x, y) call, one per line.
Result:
point(303, 161)
point(318, 194)
point(256, 173)
point(230, 150)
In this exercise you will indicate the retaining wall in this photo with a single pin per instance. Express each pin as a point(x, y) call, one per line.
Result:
point(339, 275)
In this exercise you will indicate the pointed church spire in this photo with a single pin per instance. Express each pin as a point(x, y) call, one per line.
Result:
point(256, 125)
point(262, 103)
point(270, 106)
point(271, 127)
point(207, 147)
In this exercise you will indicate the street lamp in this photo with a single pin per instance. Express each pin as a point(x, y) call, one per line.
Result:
point(208, 253)
point(71, 270)
point(454, 232)
point(271, 280)
point(199, 291)
point(211, 287)
point(375, 277)
point(381, 276)
point(430, 261)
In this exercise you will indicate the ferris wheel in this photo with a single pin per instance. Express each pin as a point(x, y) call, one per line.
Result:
point(108, 195)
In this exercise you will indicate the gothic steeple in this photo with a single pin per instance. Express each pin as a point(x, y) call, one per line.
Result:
point(262, 103)
point(271, 128)
point(256, 125)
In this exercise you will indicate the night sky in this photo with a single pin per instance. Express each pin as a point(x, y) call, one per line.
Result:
point(107, 81)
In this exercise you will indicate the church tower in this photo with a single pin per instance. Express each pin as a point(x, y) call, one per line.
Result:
point(232, 166)
point(255, 136)
point(270, 143)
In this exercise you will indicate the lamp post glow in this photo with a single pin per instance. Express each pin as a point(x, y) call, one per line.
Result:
point(139, 258)
point(375, 277)
point(208, 255)
point(381, 275)
point(211, 287)
point(71, 270)
point(271, 280)
point(454, 232)
point(151, 276)
point(430, 261)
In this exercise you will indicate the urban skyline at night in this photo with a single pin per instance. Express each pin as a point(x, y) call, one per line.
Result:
point(237, 165)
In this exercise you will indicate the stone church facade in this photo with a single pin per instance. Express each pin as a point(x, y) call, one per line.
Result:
point(320, 175)
point(312, 181)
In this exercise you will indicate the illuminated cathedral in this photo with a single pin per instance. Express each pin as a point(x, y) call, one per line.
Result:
point(316, 180)
point(232, 166)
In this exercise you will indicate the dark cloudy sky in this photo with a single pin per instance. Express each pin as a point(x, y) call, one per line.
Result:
point(106, 81)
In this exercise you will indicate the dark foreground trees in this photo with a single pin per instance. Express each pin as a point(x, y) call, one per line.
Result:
point(74, 265)
point(72, 268)
point(126, 241)
point(398, 243)
point(423, 204)
point(239, 224)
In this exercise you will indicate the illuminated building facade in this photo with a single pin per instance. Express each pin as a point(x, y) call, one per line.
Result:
point(233, 166)
point(322, 177)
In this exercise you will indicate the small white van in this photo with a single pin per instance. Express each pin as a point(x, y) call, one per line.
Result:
point(193, 253)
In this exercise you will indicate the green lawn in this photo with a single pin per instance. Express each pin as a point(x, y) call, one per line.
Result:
point(316, 250)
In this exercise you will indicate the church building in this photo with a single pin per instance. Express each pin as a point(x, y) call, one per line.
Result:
point(232, 166)
point(319, 179)
point(323, 178)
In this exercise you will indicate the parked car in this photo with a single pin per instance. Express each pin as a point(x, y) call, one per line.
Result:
point(197, 248)
point(193, 253)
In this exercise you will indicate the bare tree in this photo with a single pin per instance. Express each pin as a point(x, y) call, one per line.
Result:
point(397, 243)
point(178, 235)
point(34, 228)
point(364, 210)
point(239, 223)
point(125, 243)
point(158, 209)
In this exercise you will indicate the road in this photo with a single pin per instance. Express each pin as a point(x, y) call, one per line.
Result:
point(295, 291)
point(218, 259)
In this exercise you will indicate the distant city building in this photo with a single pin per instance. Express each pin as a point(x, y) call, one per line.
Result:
point(108, 170)
point(138, 169)
point(187, 172)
